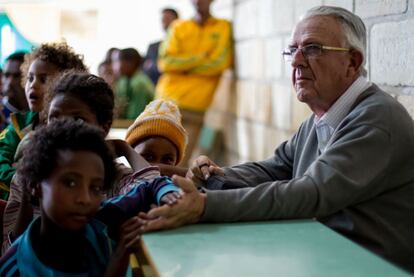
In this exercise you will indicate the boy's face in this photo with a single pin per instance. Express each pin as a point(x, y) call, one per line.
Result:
point(157, 150)
point(73, 192)
point(39, 74)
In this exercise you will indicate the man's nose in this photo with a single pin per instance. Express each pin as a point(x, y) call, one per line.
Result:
point(298, 59)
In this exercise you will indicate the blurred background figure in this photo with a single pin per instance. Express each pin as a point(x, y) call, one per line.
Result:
point(191, 59)
point(14, 98)
point(1, 82)
point(133, 90)
point(2, 118)
point(150, 66)
point(105, 68)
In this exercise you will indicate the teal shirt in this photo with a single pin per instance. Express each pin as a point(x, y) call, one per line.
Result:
point(132, 95)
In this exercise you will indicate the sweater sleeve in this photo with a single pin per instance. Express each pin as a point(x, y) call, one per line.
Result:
point(347, 173)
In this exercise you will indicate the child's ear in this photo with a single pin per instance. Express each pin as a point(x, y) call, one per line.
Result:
point(106, 127)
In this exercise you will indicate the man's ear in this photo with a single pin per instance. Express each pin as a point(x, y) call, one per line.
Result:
point(357, 59)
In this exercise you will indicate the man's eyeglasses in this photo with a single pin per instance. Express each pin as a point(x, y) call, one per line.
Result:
point(309, 51)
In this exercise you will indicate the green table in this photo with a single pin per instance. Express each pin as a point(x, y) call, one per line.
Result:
point(275, 248)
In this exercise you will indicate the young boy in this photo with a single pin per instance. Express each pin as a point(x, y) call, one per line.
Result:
point(66, 168)
point(158, 136)
point(134, 90)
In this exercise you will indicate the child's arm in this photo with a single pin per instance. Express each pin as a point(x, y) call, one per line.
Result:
point(9, 140)
point(170, 170)
point(115, 211)
point(17, 214)
point(122, 148)
point(128, 243)
point(24, 215)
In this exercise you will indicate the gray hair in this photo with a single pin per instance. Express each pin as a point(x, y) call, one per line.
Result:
point(352, 26)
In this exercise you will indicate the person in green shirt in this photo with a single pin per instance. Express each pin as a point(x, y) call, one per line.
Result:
point(134, 90)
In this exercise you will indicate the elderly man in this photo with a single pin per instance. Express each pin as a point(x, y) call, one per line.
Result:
point(350, 165)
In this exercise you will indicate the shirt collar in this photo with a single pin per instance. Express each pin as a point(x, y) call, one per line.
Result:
point(27, 258)
point(341, 107)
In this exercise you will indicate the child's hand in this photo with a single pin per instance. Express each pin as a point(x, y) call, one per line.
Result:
point(129, 242)
point(118, 146)
point(170, 198)
point(130, 234)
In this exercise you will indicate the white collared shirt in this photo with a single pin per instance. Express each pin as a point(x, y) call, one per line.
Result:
point(326, 125)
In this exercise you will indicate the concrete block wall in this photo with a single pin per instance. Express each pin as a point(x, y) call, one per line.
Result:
point(255, 105)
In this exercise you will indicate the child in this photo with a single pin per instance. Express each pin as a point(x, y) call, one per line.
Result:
point(88, 98)
point(134, 90)
point(41, 66)
point(158, 136)
point(67, 167)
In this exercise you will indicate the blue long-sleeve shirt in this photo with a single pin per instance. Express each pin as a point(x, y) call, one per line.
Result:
point(100, 231)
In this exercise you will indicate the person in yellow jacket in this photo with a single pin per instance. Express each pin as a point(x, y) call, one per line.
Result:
point(191, 60)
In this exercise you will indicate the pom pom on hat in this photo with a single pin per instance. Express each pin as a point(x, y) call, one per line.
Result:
point(161, 118)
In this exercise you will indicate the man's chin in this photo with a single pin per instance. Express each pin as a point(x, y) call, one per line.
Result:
point(301, 95)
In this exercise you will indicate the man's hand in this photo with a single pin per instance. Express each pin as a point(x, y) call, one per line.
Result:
point(188, 209)
point(202, 169)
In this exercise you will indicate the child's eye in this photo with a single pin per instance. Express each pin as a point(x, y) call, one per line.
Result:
point(168, 160)
point(148, 157)
point(69, 183)
point(30, 78)
point(97, 189)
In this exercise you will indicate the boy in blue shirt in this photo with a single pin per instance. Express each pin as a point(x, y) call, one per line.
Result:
point(67, 168)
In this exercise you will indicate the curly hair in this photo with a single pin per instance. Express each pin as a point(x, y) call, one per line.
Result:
point(88, 88)
point(41, 154)
point(60, 54)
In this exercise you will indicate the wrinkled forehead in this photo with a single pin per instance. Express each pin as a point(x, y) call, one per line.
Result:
point(325, 30)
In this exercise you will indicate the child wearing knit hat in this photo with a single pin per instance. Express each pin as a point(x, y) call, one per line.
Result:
point(157, 133)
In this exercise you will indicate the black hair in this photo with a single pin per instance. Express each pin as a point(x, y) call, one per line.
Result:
point(104, 63)
point(108, 54)
point(17, 56)
point(88, 88)
point(170, 10)
point(39, 156)
point(60, 54)
point(130, 54)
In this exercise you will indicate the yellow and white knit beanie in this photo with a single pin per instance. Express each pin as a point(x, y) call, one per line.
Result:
point(160, 118)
